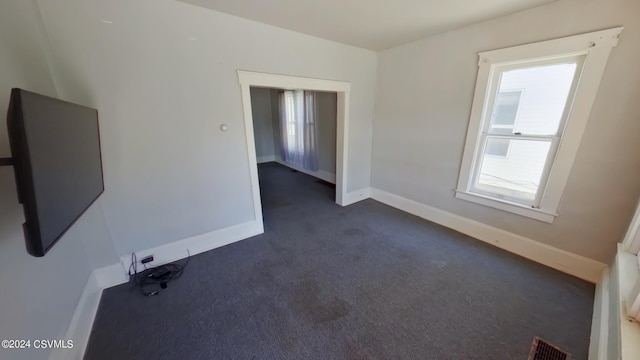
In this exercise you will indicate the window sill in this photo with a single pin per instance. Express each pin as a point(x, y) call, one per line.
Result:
point(511, 207)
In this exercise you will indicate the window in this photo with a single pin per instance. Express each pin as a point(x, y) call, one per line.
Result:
point(298, 128)
point(533, 142)
point(292, 109)
point(530, 108)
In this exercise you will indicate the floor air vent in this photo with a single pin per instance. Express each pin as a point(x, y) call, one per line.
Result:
point(542, 350)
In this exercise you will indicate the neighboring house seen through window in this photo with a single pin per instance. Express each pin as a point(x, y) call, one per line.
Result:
point(504, 119)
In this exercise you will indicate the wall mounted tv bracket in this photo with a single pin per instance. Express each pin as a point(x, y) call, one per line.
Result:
point(6, 162)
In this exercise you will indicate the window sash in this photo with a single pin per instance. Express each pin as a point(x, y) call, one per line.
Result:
point(512, 126)
point(535, 203)
point(499, 69)
point(554, 139)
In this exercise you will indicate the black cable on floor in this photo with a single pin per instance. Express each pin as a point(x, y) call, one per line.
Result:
point(151, 280)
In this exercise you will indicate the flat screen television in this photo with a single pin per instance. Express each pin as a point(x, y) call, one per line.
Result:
point(55, 146)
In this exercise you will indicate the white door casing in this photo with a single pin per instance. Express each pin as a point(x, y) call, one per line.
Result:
point(287, 82)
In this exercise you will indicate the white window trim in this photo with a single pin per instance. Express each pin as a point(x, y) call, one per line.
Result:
point(596, 47)
point(631, 244)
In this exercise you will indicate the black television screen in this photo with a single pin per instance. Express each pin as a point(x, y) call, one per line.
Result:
point(55, 147)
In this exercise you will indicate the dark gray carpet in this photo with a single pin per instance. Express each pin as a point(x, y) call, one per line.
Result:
point(358, 283)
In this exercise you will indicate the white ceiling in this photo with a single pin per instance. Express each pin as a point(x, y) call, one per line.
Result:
point(369, 24)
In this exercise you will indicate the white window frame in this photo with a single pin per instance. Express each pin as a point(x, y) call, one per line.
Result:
point(595, 48)
point(553, 139)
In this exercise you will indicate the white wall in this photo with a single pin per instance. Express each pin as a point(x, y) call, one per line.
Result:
point(425, 90)
point(275, 117)
point(38, 296)
point(262, 122)
point(327, 110)
point(163, 74)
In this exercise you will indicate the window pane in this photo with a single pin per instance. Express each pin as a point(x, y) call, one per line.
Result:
point(516, 174)
point(291, 120)
point(541, 93)
point(498, 147)
point(504, 112)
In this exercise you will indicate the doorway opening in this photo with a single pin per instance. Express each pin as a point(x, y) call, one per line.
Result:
point(282, 83)
point(296, 129)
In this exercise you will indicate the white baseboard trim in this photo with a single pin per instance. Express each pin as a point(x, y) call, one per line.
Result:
point(355, 196)
point(82, 321)
point(111, 275)
point(576, 265)
point(265, 159)
point(180, 249)
point(116, 274)
point(320, 174)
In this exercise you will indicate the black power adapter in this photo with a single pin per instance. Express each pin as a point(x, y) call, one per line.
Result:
point(156, 276)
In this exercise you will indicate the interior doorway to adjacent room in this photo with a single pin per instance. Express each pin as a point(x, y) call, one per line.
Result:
point(277, 87)
point(297, 129)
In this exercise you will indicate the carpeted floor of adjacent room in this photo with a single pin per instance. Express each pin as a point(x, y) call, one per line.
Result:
point(361, 282)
